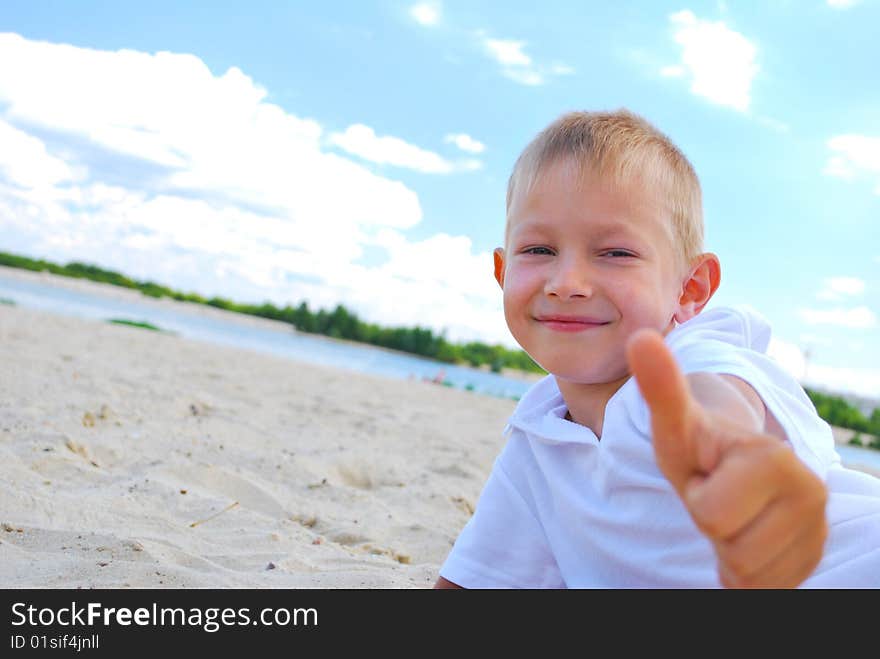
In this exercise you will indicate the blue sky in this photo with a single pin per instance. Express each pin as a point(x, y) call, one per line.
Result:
point(358, 152)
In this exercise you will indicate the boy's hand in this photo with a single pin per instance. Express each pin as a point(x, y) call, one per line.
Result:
point(747, 491)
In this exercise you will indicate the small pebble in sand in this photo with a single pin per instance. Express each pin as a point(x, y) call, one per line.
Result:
point(308, 522)
point(270, 566)
point(88, 420)
point(76, 448)
point(464, 504)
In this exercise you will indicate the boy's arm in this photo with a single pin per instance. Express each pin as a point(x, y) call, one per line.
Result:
point(734, 399)
point(747, 491)
point(446, 584)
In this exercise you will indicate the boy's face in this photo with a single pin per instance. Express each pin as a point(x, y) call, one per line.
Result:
point(586, 265)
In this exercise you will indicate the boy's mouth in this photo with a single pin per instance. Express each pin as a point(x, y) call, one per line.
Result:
point(564, 323)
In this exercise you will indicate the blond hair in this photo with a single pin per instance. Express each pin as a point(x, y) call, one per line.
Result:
point(619, 146)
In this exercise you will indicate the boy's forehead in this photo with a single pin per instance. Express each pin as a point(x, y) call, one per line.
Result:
point(554, 183)
point(605, 226)
point(639, 183)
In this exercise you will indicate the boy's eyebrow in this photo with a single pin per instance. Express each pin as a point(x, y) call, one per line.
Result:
point(607, 230)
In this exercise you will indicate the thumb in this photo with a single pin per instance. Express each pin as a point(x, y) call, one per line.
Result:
point(673, 411)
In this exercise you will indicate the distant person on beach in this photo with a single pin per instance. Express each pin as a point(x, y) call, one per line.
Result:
point(665, 448)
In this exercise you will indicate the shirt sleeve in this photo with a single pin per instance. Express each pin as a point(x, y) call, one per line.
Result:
point(503, 545)
point(734, 341)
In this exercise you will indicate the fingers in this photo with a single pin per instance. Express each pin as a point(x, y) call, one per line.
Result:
point(764, 511)
point(790, 564)
point(660, 380)
point(666, 392)
point(751, 474)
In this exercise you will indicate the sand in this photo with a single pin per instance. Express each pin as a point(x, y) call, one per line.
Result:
point(132, 458)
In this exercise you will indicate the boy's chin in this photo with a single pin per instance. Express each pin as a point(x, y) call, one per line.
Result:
point(591, 378)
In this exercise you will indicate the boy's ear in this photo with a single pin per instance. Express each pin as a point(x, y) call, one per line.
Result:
point(499, 266)
point(699, 287)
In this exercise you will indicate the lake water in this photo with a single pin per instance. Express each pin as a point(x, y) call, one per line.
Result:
point(282, 342)
point(291, 344)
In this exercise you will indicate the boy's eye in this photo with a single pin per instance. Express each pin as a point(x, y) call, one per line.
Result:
point(538, 250)
point(618, 253)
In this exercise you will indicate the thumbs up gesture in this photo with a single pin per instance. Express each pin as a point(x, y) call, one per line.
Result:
point(745, 489)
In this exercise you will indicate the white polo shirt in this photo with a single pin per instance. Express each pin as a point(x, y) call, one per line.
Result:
point(563, 509)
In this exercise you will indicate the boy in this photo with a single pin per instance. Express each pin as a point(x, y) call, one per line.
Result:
point(710, 467)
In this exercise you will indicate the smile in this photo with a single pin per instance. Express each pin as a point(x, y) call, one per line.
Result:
point(570, 323)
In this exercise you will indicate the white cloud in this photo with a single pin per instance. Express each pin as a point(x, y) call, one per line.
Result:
point(203, 185)
point(426, 13)
point(860, 381)
point(674, 71)
point(528, 77)
point(463, 293)
point(508, 52)
point(363, 142)
point(560, 69)
point(802, 367)
point(789, 356)
point(25, 162)
point(838, 167)
point(465, 142)
point(858, 318)
point(207, 134)
point(816, 340)
point(854, 155)
point(842, 4)
point(835, 288)
point(720, 61)
point(516, 64)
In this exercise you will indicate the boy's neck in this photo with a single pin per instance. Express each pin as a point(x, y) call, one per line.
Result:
point(586, 402)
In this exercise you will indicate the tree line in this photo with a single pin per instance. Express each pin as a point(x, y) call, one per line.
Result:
point(838, 412)
point(340, 323)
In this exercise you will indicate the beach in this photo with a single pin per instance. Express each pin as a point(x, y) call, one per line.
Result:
point(137, 459)
point(132, 458)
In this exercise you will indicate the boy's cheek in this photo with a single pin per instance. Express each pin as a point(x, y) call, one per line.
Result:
point(520, 280)
point(515, 308)
point(515, 296)
point(510, 305)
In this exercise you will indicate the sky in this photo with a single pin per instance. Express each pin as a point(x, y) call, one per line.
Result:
point(358, 152)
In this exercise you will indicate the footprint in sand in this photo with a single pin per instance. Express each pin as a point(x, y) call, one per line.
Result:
point(366, 477)
point(212, 481)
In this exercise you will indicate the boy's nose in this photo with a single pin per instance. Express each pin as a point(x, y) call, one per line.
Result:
point(570, 279)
